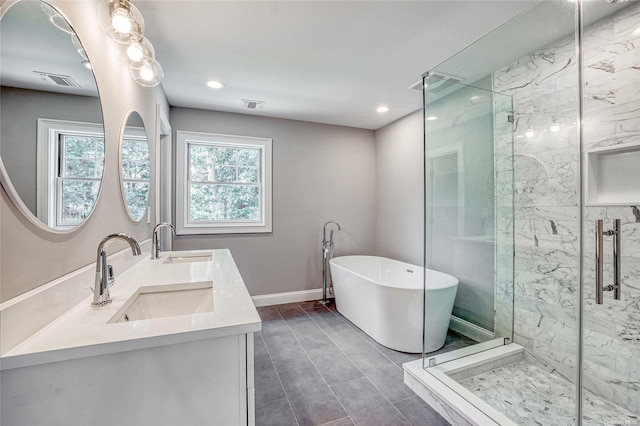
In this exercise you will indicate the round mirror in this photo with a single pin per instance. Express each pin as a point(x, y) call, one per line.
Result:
point(135, 167)
point(51, 131)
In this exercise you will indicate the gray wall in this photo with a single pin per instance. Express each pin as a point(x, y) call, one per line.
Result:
point(30, 256)
point(400, 190)
point(20, 110)
point(320, 172)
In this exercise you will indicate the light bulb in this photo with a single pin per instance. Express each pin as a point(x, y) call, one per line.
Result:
point(555, 127)
point(146, 73)
point(121, 21)
point(432, 118)
point(135, 52)
point(382, 109)
point(529, 133)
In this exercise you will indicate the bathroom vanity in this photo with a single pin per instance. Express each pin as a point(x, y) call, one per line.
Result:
point(174, 347)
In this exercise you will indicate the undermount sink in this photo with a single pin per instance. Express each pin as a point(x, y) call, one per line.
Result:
point(188, 258)
point(166, 301)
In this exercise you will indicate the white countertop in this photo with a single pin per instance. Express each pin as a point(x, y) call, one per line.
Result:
point(83, 331)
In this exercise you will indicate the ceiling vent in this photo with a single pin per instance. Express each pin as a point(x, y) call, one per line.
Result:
point(57, 79)
point(437, 82)
point(246, 103)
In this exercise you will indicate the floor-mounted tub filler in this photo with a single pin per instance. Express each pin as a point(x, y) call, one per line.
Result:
point(384, 298)
point(327, 254)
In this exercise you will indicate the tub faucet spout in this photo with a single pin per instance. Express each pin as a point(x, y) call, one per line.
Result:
point(324, 230)
point(104, 272)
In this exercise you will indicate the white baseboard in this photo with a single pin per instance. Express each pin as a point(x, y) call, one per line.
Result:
point(470, 330)
point(289, 297)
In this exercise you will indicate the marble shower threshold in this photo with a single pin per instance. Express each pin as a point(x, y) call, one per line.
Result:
point(505, 386)
point(532, 396)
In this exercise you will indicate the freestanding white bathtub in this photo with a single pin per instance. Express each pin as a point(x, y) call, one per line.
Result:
point(384, 298)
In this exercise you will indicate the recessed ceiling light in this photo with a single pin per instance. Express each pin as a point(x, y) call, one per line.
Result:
point(214, 84)
point(432, 118)
point(382, 109)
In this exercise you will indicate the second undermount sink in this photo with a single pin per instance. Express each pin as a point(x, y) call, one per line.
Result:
point(187, 258)
point(166, 301)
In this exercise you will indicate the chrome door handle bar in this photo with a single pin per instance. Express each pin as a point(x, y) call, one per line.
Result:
point(600, 234)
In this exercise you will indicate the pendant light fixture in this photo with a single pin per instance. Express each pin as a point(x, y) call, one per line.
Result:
point(124, 24)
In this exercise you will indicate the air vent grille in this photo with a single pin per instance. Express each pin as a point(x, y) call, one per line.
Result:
point(57, 79)
point(249, 104)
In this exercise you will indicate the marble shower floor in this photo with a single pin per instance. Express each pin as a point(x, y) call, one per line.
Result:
point(530, 395)
point(314, 367)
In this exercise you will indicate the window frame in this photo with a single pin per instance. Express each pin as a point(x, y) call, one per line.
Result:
point(48, 189)
point(183, 225)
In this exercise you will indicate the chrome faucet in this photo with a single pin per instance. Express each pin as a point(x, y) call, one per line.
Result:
point(326, 245)
point(155, 245)
point(104, 272)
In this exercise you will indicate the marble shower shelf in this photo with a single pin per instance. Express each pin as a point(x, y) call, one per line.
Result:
point(613, 175)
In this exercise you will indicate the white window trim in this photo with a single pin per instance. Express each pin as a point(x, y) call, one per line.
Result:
point(182, 203)
point(47, 154)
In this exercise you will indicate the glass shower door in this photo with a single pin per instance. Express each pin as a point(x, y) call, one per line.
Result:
point(611, 188)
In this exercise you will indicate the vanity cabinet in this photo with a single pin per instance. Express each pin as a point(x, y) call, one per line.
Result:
point(87, 367)
point(202, 382)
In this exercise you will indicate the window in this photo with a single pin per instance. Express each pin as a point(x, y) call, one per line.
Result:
point(81, 159)
point(136, 171)
point(223, 184)
point(71, 162)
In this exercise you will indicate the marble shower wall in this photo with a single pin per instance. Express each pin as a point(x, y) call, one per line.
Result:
point(544, 90)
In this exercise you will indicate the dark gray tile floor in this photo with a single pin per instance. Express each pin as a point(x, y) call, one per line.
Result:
point(314, 367)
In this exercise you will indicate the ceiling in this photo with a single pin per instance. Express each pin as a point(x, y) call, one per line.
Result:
point(330, 62)
point(325, 61)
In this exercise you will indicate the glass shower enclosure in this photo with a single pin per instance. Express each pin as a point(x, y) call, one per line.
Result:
point(468, 127)
point(532, 200)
